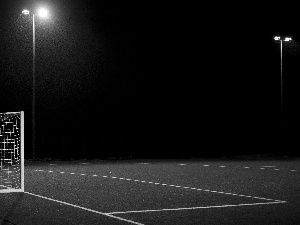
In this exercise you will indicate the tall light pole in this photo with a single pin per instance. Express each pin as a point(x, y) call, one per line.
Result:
point(278, 38)
point(42, 13)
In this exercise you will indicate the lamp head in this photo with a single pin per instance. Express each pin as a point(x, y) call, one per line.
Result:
point(287, 39)
point(26, 12)
point(277, 38)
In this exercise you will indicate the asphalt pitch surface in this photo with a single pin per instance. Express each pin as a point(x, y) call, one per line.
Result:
point(194, 191)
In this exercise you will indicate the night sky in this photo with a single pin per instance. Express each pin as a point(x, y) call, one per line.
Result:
point(152, 79)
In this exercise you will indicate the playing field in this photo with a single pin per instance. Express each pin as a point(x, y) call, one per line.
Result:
point(157, 192)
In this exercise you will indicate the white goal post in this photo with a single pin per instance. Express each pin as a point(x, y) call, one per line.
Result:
point(12, 152)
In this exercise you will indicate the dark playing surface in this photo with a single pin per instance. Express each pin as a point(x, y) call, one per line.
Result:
point(157, 192)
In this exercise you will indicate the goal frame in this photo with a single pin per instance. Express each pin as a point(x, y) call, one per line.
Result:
point(21, 189)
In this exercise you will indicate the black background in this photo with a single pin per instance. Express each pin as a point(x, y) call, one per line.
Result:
point(147, 79)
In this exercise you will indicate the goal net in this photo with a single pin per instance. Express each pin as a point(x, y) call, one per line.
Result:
point(12, 152)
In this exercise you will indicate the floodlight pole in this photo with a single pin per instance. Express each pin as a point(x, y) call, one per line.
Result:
point(278, 38)
point(33, 88)
point(281, 83)
point(42, 13)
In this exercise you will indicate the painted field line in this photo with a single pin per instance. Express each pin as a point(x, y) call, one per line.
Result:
point(86, 209)
point(201, 207)
point(191, 188)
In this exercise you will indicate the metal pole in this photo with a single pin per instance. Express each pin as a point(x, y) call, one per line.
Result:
point(282, 118)
point(83, 148)
point(33, 90)
point(22, 150)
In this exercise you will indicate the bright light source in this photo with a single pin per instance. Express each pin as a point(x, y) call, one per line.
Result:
point(287, 39)
point(26, 12)
point(277, 38)
point(43, 13)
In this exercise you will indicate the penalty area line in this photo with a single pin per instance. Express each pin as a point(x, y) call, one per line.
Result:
point(201, 207)
point(86, 209)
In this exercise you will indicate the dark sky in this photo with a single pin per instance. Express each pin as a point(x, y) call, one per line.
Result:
point(166, 74)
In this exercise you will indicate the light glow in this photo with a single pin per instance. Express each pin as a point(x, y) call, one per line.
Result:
point(43, 13)
point(276, 38)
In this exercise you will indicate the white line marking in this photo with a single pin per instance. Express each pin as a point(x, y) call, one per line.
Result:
point(143, 163)
point(95, 175)
point(201, 207)
point(246, 167)
point(50, 171)
point(293, 170)
point(52, 164)
point(182, 164)
point(83, 174)
point(219, 192)
point(205, 165)
point(262, 168)
point(248, 196)
point(86, 209)
point(269, 166)
point(105, 176)
point(276, 169)
point(268, 199)
point(61, 172)
point(193, 188)
point(222, 166)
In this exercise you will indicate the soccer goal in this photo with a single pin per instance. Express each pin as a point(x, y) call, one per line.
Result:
point(11, 152)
